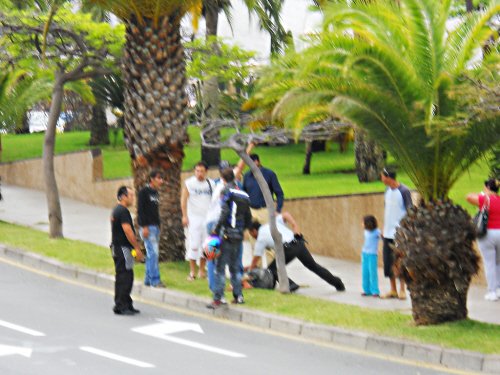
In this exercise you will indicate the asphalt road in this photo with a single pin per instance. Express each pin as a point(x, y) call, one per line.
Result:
point(51, 326)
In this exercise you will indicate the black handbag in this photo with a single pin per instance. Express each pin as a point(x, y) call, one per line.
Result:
point(480, 220)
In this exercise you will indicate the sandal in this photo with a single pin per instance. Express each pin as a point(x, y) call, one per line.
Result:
point(390, 295)
point(191, 277)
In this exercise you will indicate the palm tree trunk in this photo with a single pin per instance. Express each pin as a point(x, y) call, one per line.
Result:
point(307, 163)
point(434, 253)
point(51, 190)
point(369, 158)
point(210, 91)
point(469, 5)
point(155, 116)
point(99, 133)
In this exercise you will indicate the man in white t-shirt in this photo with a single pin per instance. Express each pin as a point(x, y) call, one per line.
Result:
point(195, 200)
point(397, 200)
point(294, 246)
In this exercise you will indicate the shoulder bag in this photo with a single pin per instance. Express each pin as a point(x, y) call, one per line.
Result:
point(480, 220)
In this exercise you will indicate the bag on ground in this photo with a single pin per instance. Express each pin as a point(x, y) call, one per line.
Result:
point(261, 278)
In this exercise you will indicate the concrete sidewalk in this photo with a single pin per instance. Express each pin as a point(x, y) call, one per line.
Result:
point(89, 223)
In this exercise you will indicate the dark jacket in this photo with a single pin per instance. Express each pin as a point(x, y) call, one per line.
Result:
point(251, 186)
point(148, 207)
point(235, 214)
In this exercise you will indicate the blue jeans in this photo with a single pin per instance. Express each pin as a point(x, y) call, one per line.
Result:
point(211, 264)
point(369, 273)
point(230, 256)
point(151, 243)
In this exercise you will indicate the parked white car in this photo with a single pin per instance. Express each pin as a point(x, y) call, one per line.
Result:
point(38, 121)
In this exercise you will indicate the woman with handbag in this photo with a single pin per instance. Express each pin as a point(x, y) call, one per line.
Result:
point(489, 244)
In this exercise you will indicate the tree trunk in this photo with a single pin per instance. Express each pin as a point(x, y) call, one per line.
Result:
point(369, 158)
point(51, 191)
point(284, 286)
point(210, 93)
point(307, 163)
point(25, 126)
point(99, 133)
point(469, 5)
point(156, 116)
point(434, 252)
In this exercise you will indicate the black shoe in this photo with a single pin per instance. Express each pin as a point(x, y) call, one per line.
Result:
point(339, 285)
point(238, 300)
point(294, 287)
point(134, 310)
point(123, 312)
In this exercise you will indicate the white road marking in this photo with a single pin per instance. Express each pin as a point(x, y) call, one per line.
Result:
point(116, 357)
point(15, 327)
point(10, 350)
point(163, 329)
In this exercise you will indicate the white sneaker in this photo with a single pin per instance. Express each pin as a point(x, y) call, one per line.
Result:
point(491, 296)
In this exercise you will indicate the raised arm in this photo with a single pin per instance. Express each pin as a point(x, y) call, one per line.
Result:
point(240, 166)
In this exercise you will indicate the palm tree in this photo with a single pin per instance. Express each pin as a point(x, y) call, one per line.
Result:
point(19, 90)
point(395, 70)
point(156, 102)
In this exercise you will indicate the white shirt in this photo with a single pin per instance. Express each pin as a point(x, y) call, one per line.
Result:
point(200, 195)
point(214, 208)
point(265, 240)
point(394, 211)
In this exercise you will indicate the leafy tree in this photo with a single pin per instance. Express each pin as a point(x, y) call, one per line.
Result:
point(233, 70)
point(395, 70)
point(71, 48)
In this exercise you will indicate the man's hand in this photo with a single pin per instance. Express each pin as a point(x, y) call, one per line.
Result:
point(185, 221)
point(145, 232)
point(139, 256)
point(298, 236)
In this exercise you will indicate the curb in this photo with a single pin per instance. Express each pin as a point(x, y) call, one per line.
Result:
point(452, 358)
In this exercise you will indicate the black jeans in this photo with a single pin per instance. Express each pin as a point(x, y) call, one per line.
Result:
point(298, 249)
point(124, 280)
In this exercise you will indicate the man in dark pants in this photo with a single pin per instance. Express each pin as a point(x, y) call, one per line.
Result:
point(294, 247)
point(235, 217)
point(397, 201)
point(148, 217)
point(124, 248)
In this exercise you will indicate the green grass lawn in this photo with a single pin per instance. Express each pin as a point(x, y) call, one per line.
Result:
point(467, 335)
point(332, 173)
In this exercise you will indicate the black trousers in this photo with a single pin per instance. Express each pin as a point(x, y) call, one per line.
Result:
point(298, 249)
point(124, 280)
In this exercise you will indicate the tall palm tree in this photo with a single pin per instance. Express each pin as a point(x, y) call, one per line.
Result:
point(156, 102)
point(395, 70)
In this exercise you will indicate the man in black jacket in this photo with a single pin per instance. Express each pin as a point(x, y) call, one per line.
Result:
point(149, 223)
point(234, 219)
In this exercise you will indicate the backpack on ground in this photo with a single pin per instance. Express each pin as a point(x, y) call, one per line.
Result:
point(261, 278)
